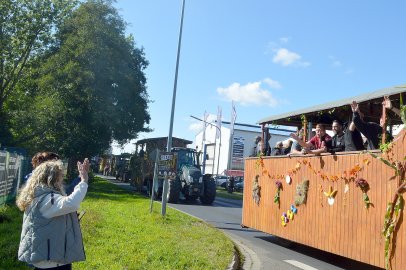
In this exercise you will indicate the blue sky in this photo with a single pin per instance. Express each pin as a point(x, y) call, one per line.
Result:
point(270, 57)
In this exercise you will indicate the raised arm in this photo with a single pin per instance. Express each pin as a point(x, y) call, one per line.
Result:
point(388, 105)
point(299, 141)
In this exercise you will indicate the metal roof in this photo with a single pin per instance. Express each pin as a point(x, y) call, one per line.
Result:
point(325, 113)
point(148, 140)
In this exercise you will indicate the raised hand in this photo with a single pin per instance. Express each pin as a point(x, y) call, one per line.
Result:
point(83, 169)
point(387, 103)
point(354, 106)
point(294, 136)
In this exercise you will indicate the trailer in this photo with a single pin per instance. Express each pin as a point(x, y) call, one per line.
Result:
point(348, 203)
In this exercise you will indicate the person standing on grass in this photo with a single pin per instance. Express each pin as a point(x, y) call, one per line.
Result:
point(51, 237)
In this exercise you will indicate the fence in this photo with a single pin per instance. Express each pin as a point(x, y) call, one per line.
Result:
point(13, 168)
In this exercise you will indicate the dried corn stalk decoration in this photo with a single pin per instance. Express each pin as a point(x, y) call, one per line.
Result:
point(301, 192)
point(256, 190)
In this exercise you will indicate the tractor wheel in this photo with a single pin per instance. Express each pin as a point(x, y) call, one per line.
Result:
point(209, 191)
point(173, 191)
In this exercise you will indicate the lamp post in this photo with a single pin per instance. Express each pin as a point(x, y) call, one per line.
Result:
point(169, 143)
point(219, 129)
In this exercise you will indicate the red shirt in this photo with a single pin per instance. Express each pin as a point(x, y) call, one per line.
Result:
point(319, 142)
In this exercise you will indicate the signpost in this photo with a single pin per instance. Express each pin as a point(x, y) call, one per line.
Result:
point(164, 169)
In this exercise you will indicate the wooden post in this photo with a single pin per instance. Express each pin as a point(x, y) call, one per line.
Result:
point(305, 129)
point(263, 138)
point(383, 124)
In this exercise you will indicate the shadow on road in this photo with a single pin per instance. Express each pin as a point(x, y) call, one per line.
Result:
point(235, 229)
point(321, 255)
point(216, 203)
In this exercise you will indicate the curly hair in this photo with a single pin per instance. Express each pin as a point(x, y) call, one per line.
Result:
point(47, 174)
point(41, 157)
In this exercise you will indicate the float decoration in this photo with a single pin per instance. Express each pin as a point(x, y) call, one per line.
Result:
point(279, 187)
point(301, 193)
point(256, 190)
point(330, 194)
point(288, 179)
point(288, 215)
point(364, 186)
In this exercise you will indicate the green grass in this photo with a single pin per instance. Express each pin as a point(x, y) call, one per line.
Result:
point(221, 192)
point(120, 233)
point(10, 228)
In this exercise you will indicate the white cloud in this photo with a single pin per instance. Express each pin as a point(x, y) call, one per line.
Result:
point(272, 83)
point(286, 58)
point(249, 94)
point(284, 39)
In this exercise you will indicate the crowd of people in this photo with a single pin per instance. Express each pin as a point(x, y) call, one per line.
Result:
point(347, 137)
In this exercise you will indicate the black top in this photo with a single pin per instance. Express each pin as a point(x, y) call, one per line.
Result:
point(353, 140)
point(336, 144)
point(371, 131)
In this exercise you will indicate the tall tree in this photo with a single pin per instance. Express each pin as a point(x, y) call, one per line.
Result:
point(91, 88)
point(26, 29)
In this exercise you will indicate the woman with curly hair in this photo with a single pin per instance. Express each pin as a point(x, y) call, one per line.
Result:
point(51, 237)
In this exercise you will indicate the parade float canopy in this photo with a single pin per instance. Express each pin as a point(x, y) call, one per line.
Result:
point(369, 103)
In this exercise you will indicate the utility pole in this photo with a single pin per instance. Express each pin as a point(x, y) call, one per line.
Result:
point(169, 143)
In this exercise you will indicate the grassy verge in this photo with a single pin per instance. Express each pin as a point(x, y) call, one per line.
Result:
point(10, 228)
point(221, 192)
point(120, 233)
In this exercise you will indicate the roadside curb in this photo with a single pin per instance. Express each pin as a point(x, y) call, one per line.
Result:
point(250, 260)
point(235, 262)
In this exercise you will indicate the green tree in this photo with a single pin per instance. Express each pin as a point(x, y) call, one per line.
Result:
point(91, 87)
point(26, 30)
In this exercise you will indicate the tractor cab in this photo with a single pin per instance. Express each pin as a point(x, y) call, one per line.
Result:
point(185, 157)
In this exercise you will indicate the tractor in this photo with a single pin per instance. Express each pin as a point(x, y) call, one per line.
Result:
point(189, 182)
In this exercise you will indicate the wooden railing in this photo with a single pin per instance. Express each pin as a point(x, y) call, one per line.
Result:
point(345, 228)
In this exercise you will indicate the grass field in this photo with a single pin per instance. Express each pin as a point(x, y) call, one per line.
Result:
point(221, 192)
point(120, 233)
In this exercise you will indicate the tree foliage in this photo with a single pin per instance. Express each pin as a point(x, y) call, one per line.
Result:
point(26, 30)
point(86, 90)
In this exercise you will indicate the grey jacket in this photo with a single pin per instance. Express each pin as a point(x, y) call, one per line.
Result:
point(57, 239)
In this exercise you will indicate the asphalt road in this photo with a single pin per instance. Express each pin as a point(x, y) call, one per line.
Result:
point(264, 251)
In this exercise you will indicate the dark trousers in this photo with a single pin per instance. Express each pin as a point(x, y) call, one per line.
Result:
point(63, 267)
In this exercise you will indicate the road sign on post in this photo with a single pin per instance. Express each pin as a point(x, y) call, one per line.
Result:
point(154, 181)
point(166, 171)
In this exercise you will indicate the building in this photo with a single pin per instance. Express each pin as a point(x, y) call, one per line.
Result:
point(217, 158)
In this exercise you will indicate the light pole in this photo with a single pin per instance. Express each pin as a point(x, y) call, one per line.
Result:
point(219, 129)
point(169, 143)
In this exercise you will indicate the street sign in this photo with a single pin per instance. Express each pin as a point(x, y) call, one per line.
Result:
point(167, 165)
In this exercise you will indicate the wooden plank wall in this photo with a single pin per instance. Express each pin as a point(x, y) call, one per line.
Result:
point(346, 228)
